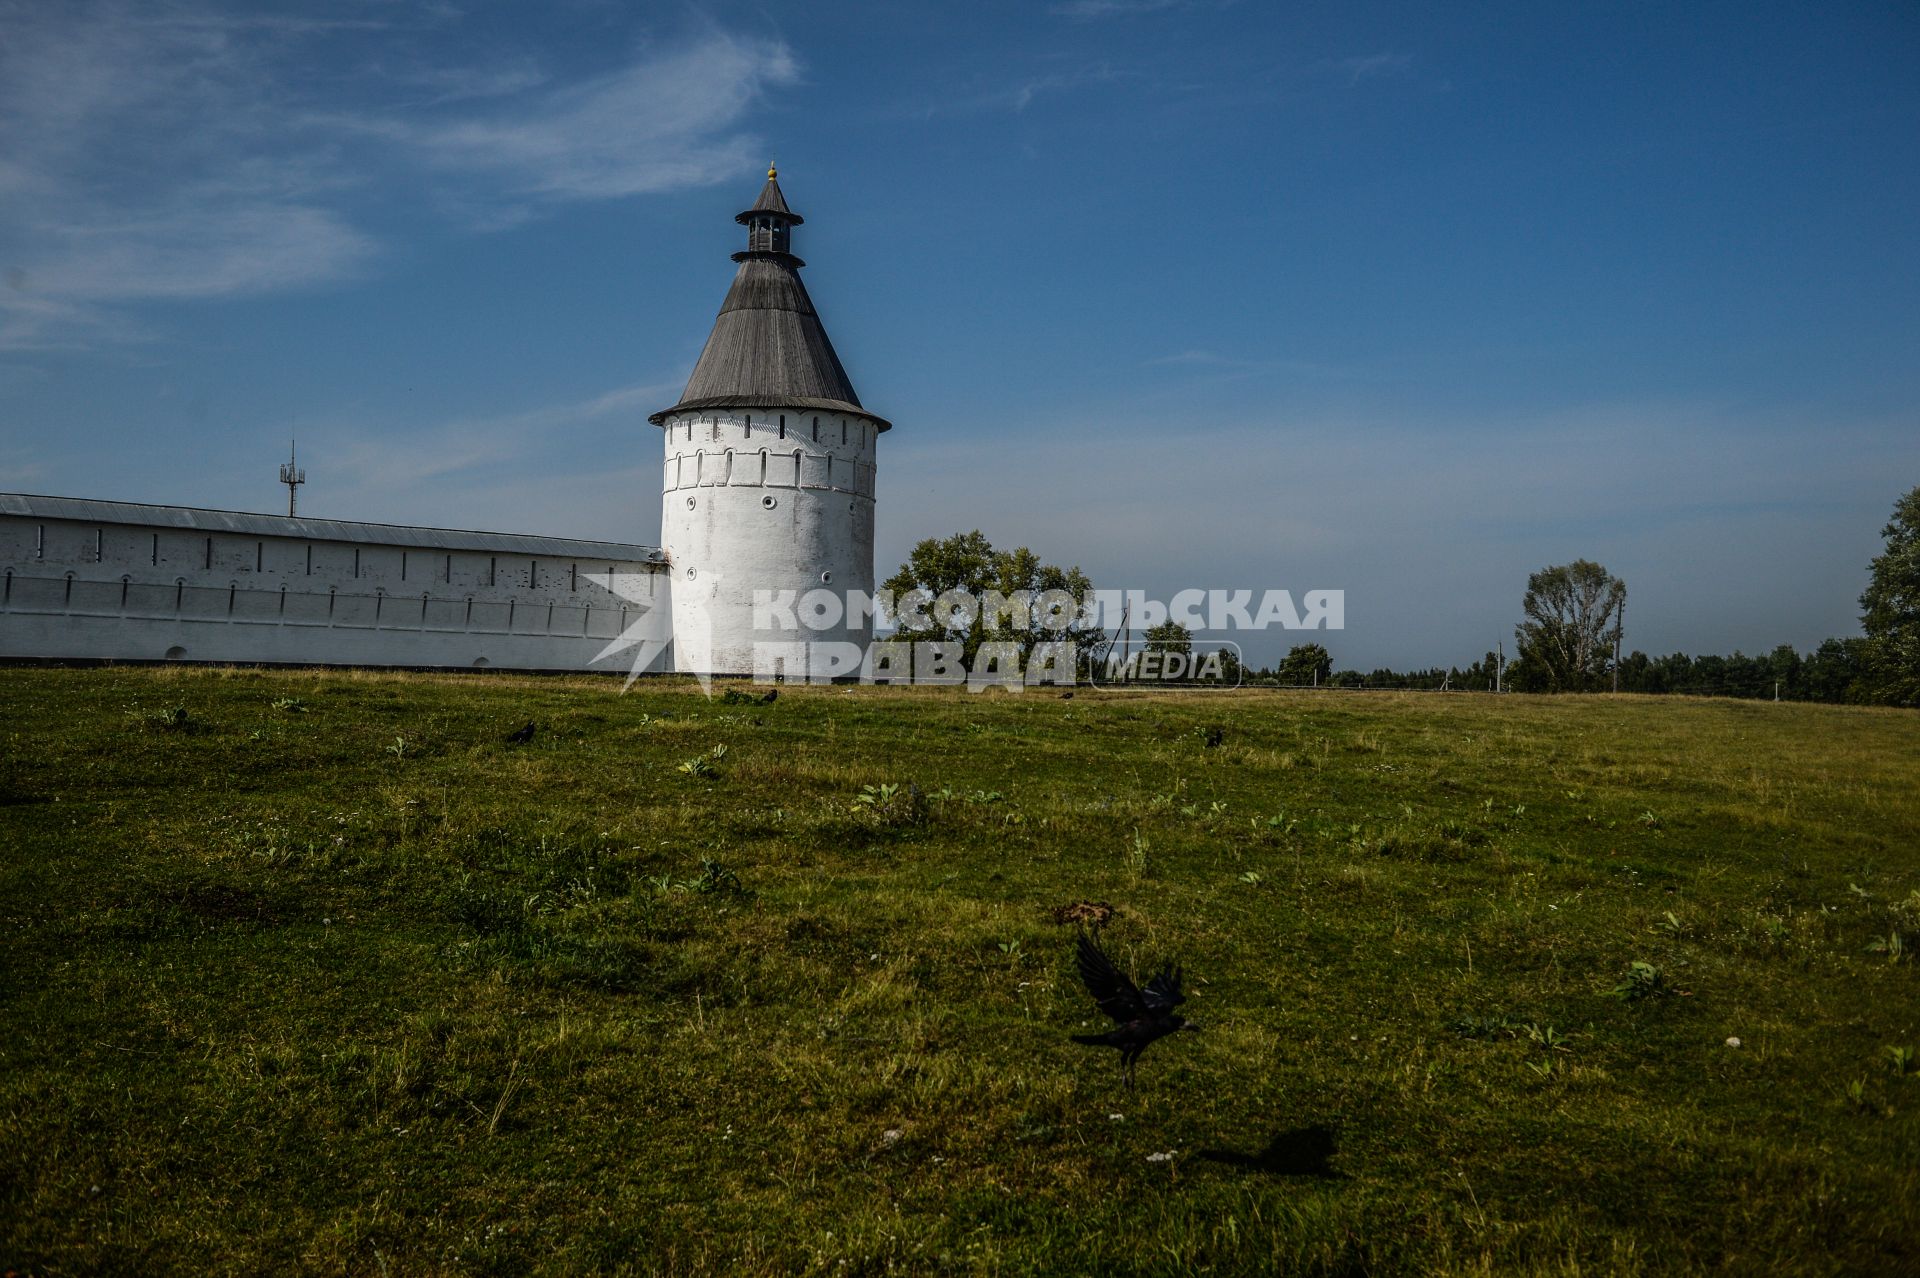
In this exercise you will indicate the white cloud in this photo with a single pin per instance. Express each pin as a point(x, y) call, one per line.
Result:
point(398, 459)
point(452, 473)
point(462, 84)
point(659, 124)
point(216, 250)
point(21, 474)
point(1374, 64)
point(1017, 97)
point(204, 154)
point(1110, 8)
point(1209, 359)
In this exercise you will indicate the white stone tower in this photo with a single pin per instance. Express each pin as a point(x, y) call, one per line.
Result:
point(769, 461)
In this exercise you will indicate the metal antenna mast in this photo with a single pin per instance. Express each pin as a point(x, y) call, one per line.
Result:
point(291, 475)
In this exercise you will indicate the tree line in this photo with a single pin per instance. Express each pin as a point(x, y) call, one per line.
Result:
point(1572, 637)
point(1573, 640)
point(1829, 673)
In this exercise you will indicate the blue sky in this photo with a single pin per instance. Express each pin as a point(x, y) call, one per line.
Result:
point(1402, 299)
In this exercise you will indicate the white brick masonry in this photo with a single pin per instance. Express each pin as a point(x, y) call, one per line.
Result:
point(762, 499)
point(109, 580)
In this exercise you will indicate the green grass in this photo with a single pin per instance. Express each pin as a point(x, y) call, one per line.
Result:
point(311, 971)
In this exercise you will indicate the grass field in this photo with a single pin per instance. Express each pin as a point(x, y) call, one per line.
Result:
point(311, 971)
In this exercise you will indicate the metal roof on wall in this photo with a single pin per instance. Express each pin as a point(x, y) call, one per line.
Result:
point(197, 519)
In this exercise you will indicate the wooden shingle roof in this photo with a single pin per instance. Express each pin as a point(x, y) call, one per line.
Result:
point(768, 346)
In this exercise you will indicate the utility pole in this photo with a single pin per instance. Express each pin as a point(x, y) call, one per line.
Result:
point(1619, 620)
point(1500, 666)
point(292, 476)
point(1124, 638)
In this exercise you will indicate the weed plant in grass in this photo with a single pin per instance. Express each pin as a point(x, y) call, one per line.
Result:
point(314, 971)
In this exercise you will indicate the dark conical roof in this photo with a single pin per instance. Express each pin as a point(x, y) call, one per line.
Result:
point(768, 347)
point(771, 201)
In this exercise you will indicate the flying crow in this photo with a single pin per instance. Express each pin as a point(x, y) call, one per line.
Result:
point(522, 736)
point(1141, 1017)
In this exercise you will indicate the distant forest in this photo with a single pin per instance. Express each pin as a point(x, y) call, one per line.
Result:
point(1571, 641)
point(1829, 673)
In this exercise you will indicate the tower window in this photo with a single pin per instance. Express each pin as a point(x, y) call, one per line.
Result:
point(843, 431)
point(99, 545)
point(156, 548)
point(749, 425)
point(40, 541)
point(259, 556)
point(816, 430)
point(356, 563)
point(783, 426)
point(209, 552)
point(493, 570)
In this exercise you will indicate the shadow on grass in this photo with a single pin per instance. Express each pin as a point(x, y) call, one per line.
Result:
point(1304, 1151)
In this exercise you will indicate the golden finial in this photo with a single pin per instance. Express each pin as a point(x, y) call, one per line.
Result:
point(772, 173)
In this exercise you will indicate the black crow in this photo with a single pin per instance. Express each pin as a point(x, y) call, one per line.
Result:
point(1141, 1017)
point(522, 736)
point(1066, 696)
point(1214, 737)
point(770, 698)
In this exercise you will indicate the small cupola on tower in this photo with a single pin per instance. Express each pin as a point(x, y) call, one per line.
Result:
point(769, 223)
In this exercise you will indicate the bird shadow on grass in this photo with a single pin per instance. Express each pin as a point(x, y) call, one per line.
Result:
point(1304, 1151)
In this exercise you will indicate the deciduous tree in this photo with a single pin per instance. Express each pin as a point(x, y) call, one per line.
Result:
point(1891, 611)
point(1169, 636)
point(967, 562)
point(1306, 663)
point(1573, 621)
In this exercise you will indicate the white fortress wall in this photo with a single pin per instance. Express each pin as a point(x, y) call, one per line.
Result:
point(109, 580)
